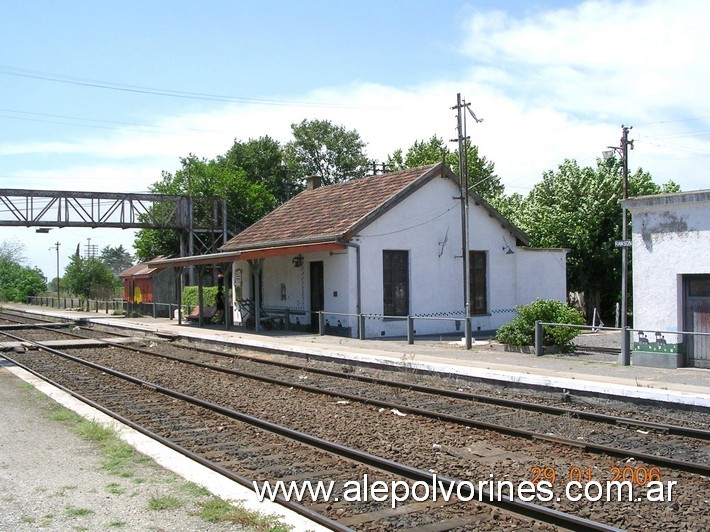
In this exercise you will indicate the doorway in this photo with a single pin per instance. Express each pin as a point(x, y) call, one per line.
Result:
point(696, 318)
point(317, 292)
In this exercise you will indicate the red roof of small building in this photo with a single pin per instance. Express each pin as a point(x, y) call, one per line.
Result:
point(330, 212)
point(141, 269)
point(335, 213)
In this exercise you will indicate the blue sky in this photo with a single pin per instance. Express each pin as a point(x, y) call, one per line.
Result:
point(88, 89)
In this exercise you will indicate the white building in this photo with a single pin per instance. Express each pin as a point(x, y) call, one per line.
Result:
point(671, 278)
point(390, 246)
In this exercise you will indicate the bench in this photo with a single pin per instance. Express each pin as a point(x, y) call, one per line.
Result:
point(207, 313)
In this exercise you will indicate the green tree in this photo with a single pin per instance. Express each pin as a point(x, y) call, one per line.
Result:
point(482, 178)
point(204, 180)
point(579, 209)
point(90, 278)
point(262, 161)
point(13, 250)
point(117, 259)
point(321, 148)
point(18, 281)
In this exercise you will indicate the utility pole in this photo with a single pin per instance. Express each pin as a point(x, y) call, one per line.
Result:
point(463, 177)
point(625, 356)
point(56, 246)
point(624, 243)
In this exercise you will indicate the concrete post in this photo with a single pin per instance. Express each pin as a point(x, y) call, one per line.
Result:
point(625, 354)
point(361, 326)
point(539, 350)
point(321, 323)
point(410, 330)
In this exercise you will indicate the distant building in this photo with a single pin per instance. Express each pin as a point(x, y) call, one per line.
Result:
point(671, 278)
point(390, 246)
point(146, 284)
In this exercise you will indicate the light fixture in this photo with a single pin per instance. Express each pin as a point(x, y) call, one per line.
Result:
point(298, 261)
point(42, 230)
point(508, 248)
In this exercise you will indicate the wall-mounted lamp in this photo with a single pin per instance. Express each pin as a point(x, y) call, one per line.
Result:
point(298, 261)
point(508, 248)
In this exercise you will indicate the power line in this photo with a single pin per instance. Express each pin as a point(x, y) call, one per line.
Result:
point(132, 126)
point(138, 89)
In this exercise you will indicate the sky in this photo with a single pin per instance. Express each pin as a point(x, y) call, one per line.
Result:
point(105, 96)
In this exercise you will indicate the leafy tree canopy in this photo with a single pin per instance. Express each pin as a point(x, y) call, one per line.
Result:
point(322, 148)
point(579, 209)
point(254, 177)
point(13, 250)
point(90, 278)
point(17, 281)
point(481, 172)
point(117, 259)
point(247, 199)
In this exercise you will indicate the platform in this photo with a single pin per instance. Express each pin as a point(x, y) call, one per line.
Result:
point(590, 376)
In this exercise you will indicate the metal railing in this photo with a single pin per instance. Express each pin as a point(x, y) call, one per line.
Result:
point(106, 306)
point(625, 336)
point(363, 317)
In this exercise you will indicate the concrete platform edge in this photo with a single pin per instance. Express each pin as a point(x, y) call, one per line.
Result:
point(582, 385)
point(170, 459)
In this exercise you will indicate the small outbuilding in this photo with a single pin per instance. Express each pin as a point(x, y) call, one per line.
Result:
point(386, 247)
point(671, 279)
point(144, 284)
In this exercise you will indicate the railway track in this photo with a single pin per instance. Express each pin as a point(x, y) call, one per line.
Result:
point(485, 412)
point(210, 430)
point(298, 385)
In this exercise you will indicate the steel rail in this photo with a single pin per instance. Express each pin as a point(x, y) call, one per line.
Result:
point(692, 467)
point(676, 430)
point(242, 480)
point(515, 505)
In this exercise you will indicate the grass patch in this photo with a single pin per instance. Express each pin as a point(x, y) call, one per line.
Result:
point(73, 511)
point(64, 415)
point(93, 431)
point(117, 524)
point(167, 502)
point(115, 488)
point(118, 456)
point(61, 492)
point(217, 510)
point(194, 489)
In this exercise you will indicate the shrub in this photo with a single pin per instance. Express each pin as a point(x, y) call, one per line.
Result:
point(190, 297)
point(521, 330)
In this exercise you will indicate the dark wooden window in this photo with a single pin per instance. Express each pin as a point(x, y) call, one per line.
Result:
point(395, 282)
point(479, 282)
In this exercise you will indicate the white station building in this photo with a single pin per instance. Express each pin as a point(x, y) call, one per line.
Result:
point(671, 278)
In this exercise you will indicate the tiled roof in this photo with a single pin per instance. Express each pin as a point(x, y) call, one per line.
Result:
point(141, 269)
point(329, 212)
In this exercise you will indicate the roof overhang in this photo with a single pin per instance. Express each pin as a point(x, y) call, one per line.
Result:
point(250, 254)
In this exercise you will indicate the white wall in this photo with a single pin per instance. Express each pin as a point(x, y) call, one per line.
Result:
point(668, 242)
point(281, 270)
point(542, 273)
point(427, 224)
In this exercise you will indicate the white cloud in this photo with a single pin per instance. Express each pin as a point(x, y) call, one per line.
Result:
point(550, 85)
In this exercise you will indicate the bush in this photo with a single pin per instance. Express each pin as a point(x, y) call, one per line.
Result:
point(190, 297)
point(521, 330)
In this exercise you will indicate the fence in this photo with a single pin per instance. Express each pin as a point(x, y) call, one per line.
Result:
point(691, 347)
point(361, 320)
point(108, 306)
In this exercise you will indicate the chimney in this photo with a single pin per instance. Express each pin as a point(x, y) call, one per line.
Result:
point(312, 181)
